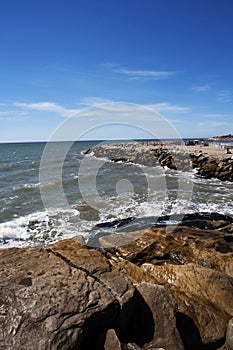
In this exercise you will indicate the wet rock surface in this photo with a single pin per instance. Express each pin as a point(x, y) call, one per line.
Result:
point(167, 287)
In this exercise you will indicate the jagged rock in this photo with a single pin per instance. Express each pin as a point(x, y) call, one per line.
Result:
point(229, 336)
point(136, 153)
point(164, 308)
point(203, 311)
point(63, 297)
point(67, 296)
point(114, 223)
point(112, 341)
point(79, 239)
point(195, 261)
point(126, 152)
point(204, 239)
point(202, 294)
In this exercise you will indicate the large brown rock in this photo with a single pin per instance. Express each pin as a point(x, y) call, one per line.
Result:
point(205, 240)
point(195, 261)
point(164, 309)
point(67, 296)
point(203, 297)
point(229, 336)
point(63, 297)
point(202, 294)
point(112, 342)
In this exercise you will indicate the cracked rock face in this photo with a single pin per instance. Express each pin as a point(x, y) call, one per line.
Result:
point(194, 260)
point(67, 296)
point(55, 298)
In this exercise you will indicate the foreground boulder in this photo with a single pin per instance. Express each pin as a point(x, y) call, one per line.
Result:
point(62, 297)
point(167, 287)
point(229, 337)
point(67, 296)
point(194, 260)
point(164, 310)
point(205, 239)
point(203, 296)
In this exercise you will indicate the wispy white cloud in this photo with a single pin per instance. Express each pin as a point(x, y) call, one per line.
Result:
point(59, 109)
point(225, 95)
point(15, 119)
point(2, 113)
point(217, 115)
point(215, 124)
point(91, 101)
point(13, 115)
point(48, 107)
point(139, 74)
point(212, 124)
point(105, 104)
point(135, 74)
point(168, 107)
point(176, 121)
point(201, 88)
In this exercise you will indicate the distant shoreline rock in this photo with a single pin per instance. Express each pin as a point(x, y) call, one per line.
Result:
point(207, 166)
point(228, 137)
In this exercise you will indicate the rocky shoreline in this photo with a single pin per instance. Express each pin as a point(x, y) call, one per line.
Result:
point(162, 290)
point(166, 287)
point(208, 167)
point(182, 158)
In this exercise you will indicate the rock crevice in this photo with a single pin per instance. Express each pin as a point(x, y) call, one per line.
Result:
point(169, 289)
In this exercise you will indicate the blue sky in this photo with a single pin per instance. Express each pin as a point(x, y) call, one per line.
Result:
point(58, 57)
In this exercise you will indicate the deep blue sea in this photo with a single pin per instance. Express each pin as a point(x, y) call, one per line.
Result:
point(115, 191)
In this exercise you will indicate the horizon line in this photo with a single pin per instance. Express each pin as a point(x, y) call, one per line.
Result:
point(102, 140)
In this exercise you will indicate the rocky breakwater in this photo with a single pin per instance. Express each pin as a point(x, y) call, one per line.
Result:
point(164, 288)
point(133, 152)
point(207, 166)
point(181, 159)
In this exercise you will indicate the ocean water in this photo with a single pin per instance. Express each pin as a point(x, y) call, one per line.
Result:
point(32, 211)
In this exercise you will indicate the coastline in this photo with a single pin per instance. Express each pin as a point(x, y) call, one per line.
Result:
point(166, 286)
point(142, 290)
point(210, 161)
